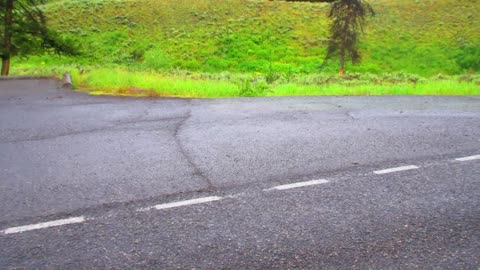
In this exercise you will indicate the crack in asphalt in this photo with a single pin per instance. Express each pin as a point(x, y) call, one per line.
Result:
point(116, 208)
point(342, 110)
point(140, 118)
point(196, 170)
point(107, 128)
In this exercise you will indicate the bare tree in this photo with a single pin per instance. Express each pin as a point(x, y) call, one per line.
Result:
point(348, 20)
point(7, 7)
point(25, 31)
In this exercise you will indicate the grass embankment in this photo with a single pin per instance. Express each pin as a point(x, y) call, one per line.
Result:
point(135, 44)
point(415, 37)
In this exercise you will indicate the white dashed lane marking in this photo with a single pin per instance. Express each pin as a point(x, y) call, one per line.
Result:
point(81, 219)
point(183, 203)
point(44, 225)
point(397, 169)
point(468, 158)
point(299, 184)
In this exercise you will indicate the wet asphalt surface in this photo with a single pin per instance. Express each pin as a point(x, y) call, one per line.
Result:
point(66, 154)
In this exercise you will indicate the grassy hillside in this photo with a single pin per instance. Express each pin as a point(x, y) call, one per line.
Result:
point(423, 37)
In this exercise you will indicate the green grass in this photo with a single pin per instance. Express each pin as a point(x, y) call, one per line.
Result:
point(127, 83)
point(201, 85)
point(423, 37)
point(213, 48)
point(450, 87)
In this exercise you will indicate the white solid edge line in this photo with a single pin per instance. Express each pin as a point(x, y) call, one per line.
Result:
point(468, 158)
point(44, 225)
point(183, 203)
point(396, 169)
point(299, 184)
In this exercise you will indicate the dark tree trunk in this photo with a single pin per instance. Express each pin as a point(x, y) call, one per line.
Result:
point(343, 46)
point(7, 39)
point(342, 62)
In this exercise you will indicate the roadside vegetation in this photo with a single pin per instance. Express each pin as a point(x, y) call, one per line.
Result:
point(210, 48)
point(178, 83)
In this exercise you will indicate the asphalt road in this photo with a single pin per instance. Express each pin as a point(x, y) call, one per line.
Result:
point(88, 182)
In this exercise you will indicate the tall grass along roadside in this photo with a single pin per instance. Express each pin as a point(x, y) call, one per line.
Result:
point(203, 85)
